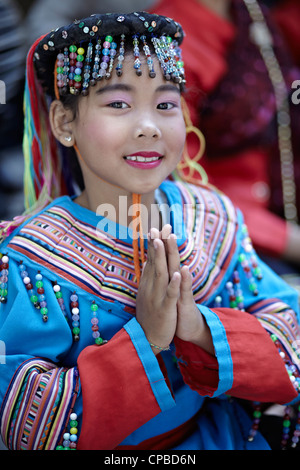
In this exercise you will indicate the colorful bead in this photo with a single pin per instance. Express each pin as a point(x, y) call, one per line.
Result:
point(87, 69)
point(256, 421)
point(121, 56)
point(169, 56)
point(4, 278)
point(70, 438)
point(75, 316)
point(95, 322)
point(59, 297)
point(136, 53)
point(147, 53)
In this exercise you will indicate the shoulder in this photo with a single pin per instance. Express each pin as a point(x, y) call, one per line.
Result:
point(207, 199)
point(30, 226)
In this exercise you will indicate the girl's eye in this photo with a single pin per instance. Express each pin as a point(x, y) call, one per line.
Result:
point(118, 105)
point(165, 106)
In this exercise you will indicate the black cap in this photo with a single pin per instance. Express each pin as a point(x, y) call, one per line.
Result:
point(87, 30)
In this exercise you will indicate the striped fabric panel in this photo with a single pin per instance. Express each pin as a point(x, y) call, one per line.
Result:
point(37, 404)
point(280, 320)
point(103, 266)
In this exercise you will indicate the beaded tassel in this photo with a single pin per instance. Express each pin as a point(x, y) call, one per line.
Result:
point(105, 57)
point(256, 420)
point(147, 52)
point(4, 278)
point(60, 300)
point(70, 438)
point(136, 53)
point(95, 322)
point(41, 296)
point(75, 316)
point(112, 55)
point(96, 65)
point(87, 69)
point(121, 56)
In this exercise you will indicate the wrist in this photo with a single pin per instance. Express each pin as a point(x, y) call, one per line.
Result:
point(157, 349)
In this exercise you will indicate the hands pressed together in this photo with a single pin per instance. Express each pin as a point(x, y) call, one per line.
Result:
point(165, 306)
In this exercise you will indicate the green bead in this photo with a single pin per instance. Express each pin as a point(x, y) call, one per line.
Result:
point(73, 48)
point(273, 337)
point(239, 299)
point(180, 64)
point(80, 58)
point(252, 286)
point(99, 340)
point(73, 423)
point(242, 257)
point(59, 448)
point(39, 284)
point(169, 39)
point(34, 298)
point(44, 311)
point(232, 304)
point(286, 423)
point(3, 292)
point(257, 414)
point(94, 307)
point(109, 39)
point(77, 78)
point(58, 295)
point(76, 330)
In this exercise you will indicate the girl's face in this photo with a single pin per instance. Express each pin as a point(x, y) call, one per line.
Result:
point(130, 131)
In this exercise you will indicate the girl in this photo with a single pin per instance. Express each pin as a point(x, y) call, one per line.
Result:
point(113, 339)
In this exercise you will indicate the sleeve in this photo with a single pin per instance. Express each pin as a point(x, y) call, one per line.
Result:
point(255, 331)
point(55, 394)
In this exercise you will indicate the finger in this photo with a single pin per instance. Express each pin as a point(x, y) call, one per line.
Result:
point(173, 291)
point(166, 232)
point(161, 274)
point(146, 281)
point(186, 285)
point(173, 256)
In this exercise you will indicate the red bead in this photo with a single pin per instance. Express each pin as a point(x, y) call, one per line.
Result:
point(29, 286)
point(4, 266)
point(95, 327)
point(74, 304)
point(40, 290)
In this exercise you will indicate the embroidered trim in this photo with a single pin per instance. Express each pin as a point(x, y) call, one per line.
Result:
point(37, 404)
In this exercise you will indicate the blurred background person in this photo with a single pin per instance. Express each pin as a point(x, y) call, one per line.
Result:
point(12, 60)
point(241, 59)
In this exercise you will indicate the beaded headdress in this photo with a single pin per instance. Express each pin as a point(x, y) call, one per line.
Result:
point(90, 49)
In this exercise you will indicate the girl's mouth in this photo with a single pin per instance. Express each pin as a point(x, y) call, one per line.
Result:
point(144, 160)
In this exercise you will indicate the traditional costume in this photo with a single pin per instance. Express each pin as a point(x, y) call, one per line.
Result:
point(77, 370)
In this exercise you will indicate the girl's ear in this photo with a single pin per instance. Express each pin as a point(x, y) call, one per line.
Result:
point(61, 120)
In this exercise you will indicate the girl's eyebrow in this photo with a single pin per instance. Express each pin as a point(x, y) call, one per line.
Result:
point(129, 88)
point(115, 87)
point(168, 87)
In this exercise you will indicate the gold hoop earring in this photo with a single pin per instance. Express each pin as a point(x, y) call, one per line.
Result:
point(188, 166)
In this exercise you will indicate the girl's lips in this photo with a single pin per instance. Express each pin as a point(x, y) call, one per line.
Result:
point(144, 160)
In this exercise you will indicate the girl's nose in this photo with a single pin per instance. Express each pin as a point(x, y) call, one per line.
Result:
point(147, 128)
